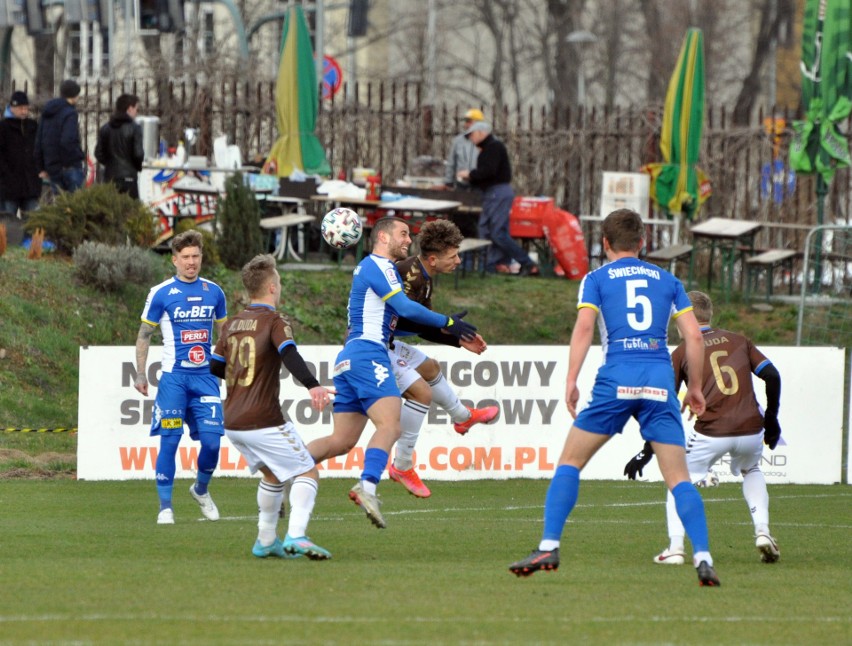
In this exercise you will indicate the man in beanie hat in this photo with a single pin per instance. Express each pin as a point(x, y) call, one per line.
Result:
point(20, 184)
point(59, 156)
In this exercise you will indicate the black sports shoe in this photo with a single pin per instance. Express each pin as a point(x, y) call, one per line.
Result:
point(707, 575)
point(537, 560)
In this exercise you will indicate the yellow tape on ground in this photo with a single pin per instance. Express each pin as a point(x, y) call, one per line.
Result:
point(39, 430)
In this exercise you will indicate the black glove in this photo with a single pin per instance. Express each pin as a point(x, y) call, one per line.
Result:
point(771, 430)
point(638, 461)
point(459, 328)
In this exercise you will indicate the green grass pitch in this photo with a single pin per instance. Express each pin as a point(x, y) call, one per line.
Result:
point(84, 562)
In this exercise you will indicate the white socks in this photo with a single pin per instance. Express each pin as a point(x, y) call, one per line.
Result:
point(410, 421)
point(303, 495)
point(757, 498)
point(676, 530)
point(444, 395)
point(269, 497)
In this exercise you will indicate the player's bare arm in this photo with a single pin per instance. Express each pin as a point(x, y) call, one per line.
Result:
point(581, 341)
point(688, 327)
point(143, 344)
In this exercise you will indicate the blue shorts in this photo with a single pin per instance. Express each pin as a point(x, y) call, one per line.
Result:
point(187, 398)
point(641, 390)
point(362, 375)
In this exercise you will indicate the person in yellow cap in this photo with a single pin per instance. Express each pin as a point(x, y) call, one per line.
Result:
point(463, 153)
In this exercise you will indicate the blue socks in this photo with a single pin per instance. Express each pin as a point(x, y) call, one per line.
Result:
point(166, 469)
point(560, 500)
point(208, 459)
point(690, 508)
point(375, 461)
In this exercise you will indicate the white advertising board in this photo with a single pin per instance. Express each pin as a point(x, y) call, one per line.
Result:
point(527, 382)
point(625, 191)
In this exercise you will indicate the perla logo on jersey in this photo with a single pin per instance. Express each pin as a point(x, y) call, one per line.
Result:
point(194, 312)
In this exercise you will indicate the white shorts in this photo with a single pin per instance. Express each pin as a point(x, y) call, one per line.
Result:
point(405, 360)
point(279, 448)
point(703, 451)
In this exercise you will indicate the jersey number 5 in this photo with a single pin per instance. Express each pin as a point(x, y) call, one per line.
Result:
point(639, 320)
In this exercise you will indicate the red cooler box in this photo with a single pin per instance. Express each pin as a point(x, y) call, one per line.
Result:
point(529, 215)
point(565, 236)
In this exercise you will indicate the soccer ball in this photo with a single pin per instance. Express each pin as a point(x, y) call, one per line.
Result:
point(341, 228)
point(709, 480)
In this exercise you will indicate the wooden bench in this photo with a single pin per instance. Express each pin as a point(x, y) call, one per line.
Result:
point(770, 260)
point(669, 255)
point(282, 224)
point(475, 249)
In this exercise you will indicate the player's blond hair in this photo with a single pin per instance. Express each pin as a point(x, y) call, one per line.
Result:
point(701, 305)
point(257, 272)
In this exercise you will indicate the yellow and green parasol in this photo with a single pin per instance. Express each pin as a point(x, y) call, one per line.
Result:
point(817, 144)
point(677, 184)
point(297, 103)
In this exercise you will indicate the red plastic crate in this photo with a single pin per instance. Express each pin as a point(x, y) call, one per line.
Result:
point(528, 216)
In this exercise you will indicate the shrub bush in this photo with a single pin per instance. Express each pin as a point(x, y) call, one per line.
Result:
point(98, 214)
point(109, 267)
point(238, 214)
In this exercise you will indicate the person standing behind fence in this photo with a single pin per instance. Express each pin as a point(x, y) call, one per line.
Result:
point(59, 156)
point(20, 184)
point(493, 175)
point(119, 146)
point(463, 152)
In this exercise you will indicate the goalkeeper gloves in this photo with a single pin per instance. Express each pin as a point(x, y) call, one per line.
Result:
point(771, 430)
point(638, 461)
point(459, 328)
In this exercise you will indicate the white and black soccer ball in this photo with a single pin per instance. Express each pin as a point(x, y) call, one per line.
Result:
point(341, 228)
point(709, 480)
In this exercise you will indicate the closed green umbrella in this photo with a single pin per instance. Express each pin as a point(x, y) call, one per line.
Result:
point(297, 103)
point(817, 145)
point(677, 184)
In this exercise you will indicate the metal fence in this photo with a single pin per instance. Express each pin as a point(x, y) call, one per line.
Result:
point(560, 153)
point(825, 305)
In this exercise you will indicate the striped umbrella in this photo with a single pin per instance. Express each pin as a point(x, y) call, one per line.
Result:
point(296, 104)
point(677, 184)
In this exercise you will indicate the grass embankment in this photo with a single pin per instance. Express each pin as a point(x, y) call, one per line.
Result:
point(46, 314)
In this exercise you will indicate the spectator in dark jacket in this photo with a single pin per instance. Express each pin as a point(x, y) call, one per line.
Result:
point(493, 176)
point(119, 146)
point(59, 156)
point(20, 184)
